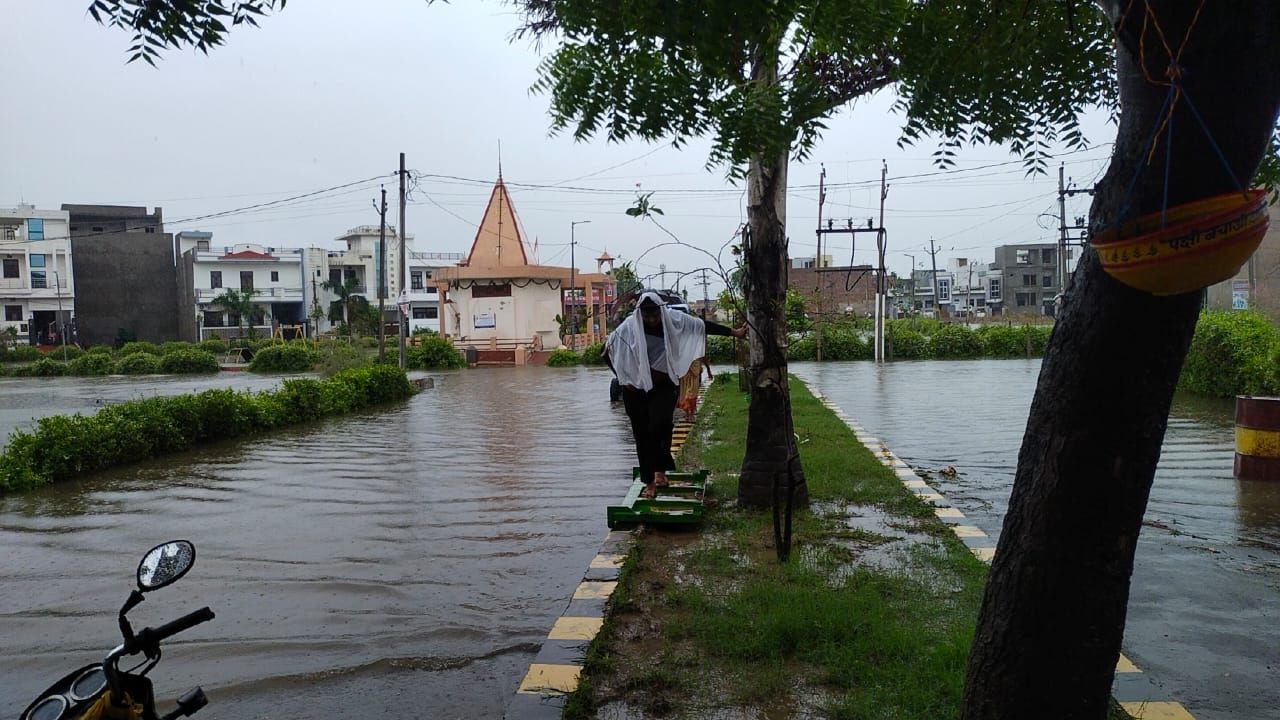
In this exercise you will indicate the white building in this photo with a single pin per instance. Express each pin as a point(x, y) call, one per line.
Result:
point(37, 286)
point(274, 276)
point(423, 296)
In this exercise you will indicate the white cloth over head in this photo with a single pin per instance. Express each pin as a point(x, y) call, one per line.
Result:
point(684, 338)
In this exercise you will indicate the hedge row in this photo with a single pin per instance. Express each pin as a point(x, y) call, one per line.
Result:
point(912, 340)
point(181, 361)
point(65, 446)
point(1233, 352)
point(592, 354)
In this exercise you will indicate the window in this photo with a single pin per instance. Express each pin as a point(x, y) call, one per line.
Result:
point(257, 318)
point(13, 313)
point(1048, 256)
point(11, 267)
point(1021, 299)
point(37, 261)
point(944, 289)
point(415, 280)
point(35, 229)
point(1028, 280)
point(335, 276)
point(246, 280)
point(1024, 257)
point(491, 291)
point(215, 279)
point(38, 279)
point(425, 313)
point(8, 233)
point(1046, 281)
point(202, 245)
point(993, 289)
point(213, 318)
point(431, 290)
point(275, 276)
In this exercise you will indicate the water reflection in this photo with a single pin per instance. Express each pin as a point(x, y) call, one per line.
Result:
point(420, 552)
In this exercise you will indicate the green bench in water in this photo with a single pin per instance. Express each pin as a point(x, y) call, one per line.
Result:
point(680, 503)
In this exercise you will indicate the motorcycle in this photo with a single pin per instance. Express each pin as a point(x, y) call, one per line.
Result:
point(102, 691)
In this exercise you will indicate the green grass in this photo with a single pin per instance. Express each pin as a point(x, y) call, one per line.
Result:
point(859, 624)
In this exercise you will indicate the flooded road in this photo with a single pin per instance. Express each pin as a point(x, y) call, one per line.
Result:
point(1204, 609)
point(406, 562)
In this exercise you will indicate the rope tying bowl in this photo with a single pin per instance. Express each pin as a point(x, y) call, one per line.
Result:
point(1186, 247)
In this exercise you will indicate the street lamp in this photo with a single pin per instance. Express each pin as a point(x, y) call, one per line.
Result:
point(62, 329)
point(573, 309)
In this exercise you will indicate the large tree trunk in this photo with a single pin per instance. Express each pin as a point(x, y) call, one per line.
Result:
point(1053, 615)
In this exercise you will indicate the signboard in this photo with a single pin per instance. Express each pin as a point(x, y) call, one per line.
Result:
point(483, 320)
point(1239, 294)
point(403, 304)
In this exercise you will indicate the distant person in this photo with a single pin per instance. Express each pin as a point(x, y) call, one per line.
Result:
point(648, 351)
point(690, 384)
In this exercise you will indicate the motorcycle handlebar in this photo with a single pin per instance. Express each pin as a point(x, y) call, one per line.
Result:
point(148, 638)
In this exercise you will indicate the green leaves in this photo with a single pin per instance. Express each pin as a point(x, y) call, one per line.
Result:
point(157, 24)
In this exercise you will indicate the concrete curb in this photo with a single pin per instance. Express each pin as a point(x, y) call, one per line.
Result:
point(1137, 693)
point(557, 669)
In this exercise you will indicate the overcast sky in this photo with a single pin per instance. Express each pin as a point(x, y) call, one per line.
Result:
point(328, 92)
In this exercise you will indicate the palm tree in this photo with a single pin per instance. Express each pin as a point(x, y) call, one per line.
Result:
point(239, 302)
point(346, 292)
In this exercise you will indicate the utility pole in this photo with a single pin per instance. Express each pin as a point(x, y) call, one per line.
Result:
point(1062, 230)
point(573, 269)
point(933, 260)
point(382, 276)
point(662, 269)
point(402, 304)
point(882, 290)
point(707, 297)
point(817, 273)
point(911, 282)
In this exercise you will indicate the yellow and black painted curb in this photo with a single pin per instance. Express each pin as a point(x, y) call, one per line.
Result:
point(557, 668)
point(1136, 692)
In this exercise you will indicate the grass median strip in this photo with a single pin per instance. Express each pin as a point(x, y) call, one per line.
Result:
point(872, 617)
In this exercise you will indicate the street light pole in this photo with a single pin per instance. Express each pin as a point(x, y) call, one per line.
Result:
point(62, 329)
point(573, 269)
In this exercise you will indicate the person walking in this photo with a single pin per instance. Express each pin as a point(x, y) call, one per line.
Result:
point(649, 352)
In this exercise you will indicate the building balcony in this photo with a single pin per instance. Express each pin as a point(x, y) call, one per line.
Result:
point(426, 294)
point(281, 294)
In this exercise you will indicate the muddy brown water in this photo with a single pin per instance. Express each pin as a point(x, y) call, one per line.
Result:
point(405, 562)
point(1204, 609)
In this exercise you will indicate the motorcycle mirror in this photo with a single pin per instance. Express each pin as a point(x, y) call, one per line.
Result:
point(165, 563)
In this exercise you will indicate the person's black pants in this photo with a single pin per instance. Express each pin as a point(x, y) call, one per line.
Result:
point(651, 422)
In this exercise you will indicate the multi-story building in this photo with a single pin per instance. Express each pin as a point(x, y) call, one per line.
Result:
point(125, 262)
point(423, 296)
point(1029, 276)
point(37, 275)
point(272, 276)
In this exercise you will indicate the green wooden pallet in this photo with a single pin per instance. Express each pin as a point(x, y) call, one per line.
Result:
point(680, 503)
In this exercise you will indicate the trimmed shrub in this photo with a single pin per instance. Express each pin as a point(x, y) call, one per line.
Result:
point(188, 361)
point(290, 357)
point(1036, 338)
point(954, 341)
point(844, 343)
point(434, 353)
point(368, 343)
point(138, 346)
point(92, 364)
point(65, 446)
point(100, 350)
point(563, 357)
point(139, 363)
point(907, 344)
point(23, 353)
point(1232, 353)
point(803, 348)
point(44, 367)
point(72, 352)
point(720, 349)
point(336, 357)
point(593, 354)
point(173, 345)
point(1001, 341)
point(216, 346)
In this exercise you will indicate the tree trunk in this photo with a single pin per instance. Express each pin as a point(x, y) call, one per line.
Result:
point(1048, 636)
point(771, 454)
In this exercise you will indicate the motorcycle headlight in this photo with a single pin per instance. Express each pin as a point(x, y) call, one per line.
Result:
point(88, 684)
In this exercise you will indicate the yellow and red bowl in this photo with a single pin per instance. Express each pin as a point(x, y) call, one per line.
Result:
point(1201, 243)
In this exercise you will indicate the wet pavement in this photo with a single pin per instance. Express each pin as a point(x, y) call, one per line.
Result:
point(405, 562)
point(1204, 608)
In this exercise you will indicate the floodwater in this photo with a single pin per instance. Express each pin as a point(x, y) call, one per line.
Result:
point(404, 562)
point(1204, 608)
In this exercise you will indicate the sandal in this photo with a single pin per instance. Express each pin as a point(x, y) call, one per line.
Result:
point(649, 493)
point(660, 480)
